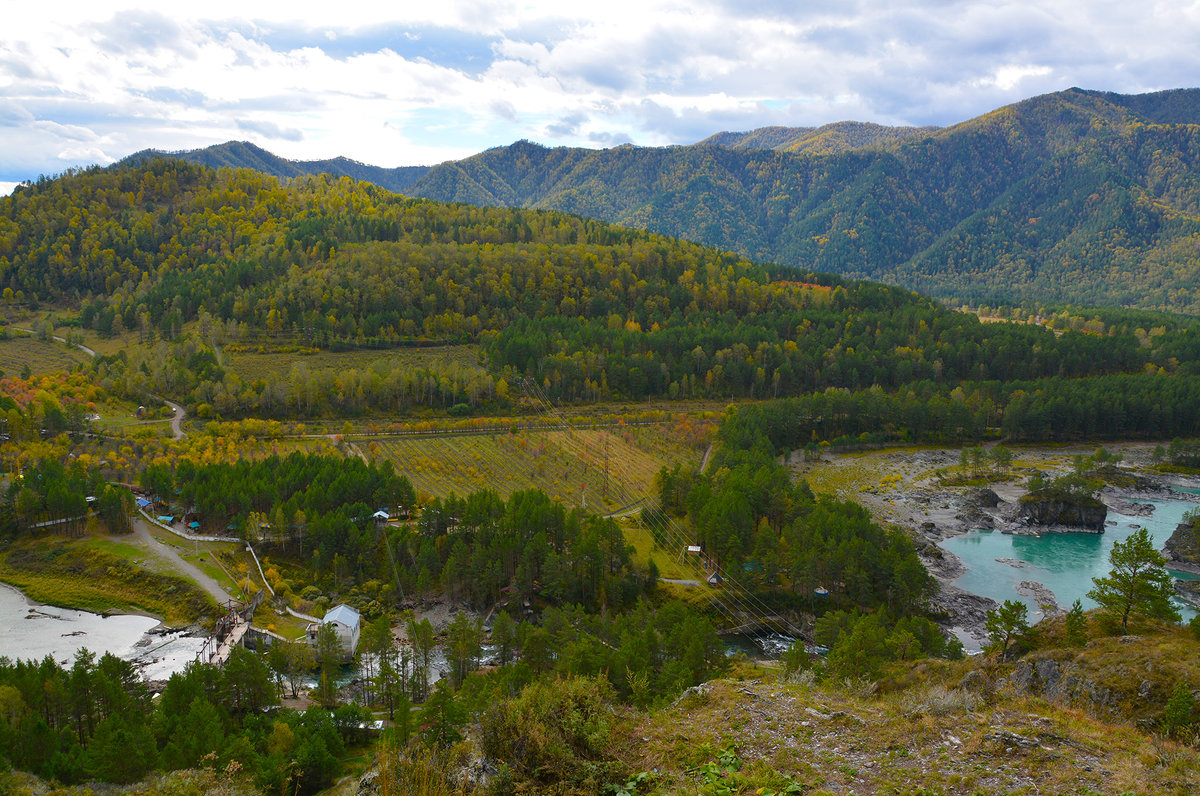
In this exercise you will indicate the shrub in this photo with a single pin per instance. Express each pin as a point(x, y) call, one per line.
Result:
point(552, 731)
point(939, 701)
point(1178, 712)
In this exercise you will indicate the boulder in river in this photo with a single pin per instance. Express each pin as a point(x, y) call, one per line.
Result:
point(1086, 514)
point(982, 497)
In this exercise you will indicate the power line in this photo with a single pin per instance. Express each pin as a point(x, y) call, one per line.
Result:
point(738, 603)
point(749, 603)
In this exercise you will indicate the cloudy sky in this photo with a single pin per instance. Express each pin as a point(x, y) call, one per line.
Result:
point(408, 82)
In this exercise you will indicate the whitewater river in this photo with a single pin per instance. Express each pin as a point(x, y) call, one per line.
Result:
point(1064, 563)
point(29, 631)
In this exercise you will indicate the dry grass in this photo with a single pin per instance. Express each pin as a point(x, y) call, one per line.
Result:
point(19, 352)
point(826, 740)
point(610, 469)
point(76, 573)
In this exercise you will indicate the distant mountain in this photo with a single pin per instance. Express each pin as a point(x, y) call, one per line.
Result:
point(1079, 196)
point(825, 140)
point(243, 154)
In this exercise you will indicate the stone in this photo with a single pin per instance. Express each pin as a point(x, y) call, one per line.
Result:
point(1038, 509)
point(975, 681)
point(1022, 677)
point(1010, 740)
point(1184, 544)
point(1048, 673)
point(982, 497)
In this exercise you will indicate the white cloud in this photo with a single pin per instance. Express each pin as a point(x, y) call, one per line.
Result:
point(405, 83)
point(1007, 78)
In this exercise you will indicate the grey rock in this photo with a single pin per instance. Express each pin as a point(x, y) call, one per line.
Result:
point(1022, 678)
point(367, 784)
point(1184, 544)
point(1041, 510)
point(1188, 591)
point(1048, 672)
point(982, 497)
point(975, 681)
point(1010, 740)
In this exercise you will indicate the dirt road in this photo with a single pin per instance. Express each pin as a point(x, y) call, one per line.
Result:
point(177, 419)
point(184, 568)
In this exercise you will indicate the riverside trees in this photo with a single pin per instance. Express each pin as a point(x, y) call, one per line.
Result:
point(1137, 584)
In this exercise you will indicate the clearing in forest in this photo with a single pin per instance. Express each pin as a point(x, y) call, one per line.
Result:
point(19, 352)
point(249, 363)
point(613, 468)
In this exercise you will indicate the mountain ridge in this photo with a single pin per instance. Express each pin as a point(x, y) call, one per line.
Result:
point(245, 154)
point(1079, 196)
point(826, 139)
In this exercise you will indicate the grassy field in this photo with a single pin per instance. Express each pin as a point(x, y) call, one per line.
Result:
point(230, 565)
point(77, 573)
point(614, 468)
point(19, 352)
point(207, 556)
point(252, 364)
point(668, 560)
point(120, 549)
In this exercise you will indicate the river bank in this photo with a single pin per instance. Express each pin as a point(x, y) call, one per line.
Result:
point(989, 562)
point(32, 631)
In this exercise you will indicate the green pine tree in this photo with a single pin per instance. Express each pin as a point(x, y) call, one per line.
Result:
point(1076, 625)
point(1137, 584)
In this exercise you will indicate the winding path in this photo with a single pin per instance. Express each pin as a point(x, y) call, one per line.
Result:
point(55, 337)
point(177, 431)
point(184, 568)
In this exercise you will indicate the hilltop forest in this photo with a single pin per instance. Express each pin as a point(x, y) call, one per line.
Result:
point(582, 310)
point(1082, 197)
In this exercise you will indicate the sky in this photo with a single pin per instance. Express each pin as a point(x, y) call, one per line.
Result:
point(417, 83)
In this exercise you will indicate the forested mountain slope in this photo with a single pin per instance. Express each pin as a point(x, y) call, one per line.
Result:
point(590, 310)
point(824, 140)
point(1080, 196)
point(1076, 196)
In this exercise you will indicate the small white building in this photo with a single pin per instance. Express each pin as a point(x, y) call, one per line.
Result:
point(346, 622)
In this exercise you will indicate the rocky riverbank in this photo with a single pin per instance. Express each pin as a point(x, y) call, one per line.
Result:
point(906, 488)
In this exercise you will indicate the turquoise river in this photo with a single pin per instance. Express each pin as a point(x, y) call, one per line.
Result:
point(1064, 563)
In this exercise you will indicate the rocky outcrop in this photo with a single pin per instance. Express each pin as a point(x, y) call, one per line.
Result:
point(1060, 681)
point(1188, 591)
point(1045, 598)
point(1073, 513)
point(1184, 544)
point(981, 497)
point(1129, 507)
